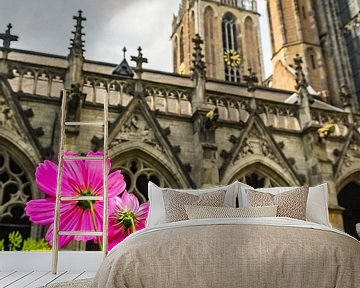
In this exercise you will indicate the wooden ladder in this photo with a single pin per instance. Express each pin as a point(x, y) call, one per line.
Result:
point(59, 198)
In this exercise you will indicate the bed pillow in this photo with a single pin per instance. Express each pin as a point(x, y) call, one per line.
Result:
point(202, 212)
point(157, 208)
point(175, 203)
point(290, 203)
point(316, 207)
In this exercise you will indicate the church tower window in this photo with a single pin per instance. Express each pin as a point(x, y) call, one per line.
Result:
point(175, 54)
point(209, 42)
point(230, 47)
point(181, 45)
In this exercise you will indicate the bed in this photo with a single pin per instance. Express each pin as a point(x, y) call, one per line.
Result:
point(233, 252)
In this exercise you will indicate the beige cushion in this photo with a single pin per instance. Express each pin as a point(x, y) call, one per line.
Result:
point(290, 204)
point(201, 212)
point(175, 201)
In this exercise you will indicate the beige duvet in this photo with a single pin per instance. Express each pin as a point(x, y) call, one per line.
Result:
point(234, 253)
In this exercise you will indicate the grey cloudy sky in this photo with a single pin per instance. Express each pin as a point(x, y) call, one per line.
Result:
point(46, 25)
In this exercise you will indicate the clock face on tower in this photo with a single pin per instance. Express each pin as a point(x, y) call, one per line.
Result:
point(232, 58)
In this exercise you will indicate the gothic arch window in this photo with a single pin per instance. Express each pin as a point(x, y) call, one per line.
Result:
point(311, 59)
point(209, 16)
point(260, 176)
point(251, 40)
point(175, 54)
point(230, 2)
point(181, 44)
point(138, 171)
point(349, 198)
point(192, 30)
point(229, 37)
point(16, 189)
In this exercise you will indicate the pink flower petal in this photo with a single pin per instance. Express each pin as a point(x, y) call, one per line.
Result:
point(74, 172)
point(128, 201)
point(116, 184)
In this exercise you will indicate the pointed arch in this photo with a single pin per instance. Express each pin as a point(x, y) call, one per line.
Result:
point(181, 46)
point(209, 35)
point(175, 54)
point(17, 185)
point(230, 34)
point(349, 198)
point(252, 45)
point(259, 173)
point(141, 163)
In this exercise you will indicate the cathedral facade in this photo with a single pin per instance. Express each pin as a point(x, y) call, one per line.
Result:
point(209, 123)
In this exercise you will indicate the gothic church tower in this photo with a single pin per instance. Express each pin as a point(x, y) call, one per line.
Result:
point(230, 30)
point(294, 31)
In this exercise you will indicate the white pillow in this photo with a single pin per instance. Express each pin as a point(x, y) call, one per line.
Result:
point(157, 206)
point(316, 207)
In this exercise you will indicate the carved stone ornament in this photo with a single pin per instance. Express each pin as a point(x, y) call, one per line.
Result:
point(7, 117)
point(136, 129)
point(256, 144)
point(351, 156)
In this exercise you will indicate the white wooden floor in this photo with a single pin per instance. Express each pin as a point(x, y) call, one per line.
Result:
point(32, 279)
point(32, 269)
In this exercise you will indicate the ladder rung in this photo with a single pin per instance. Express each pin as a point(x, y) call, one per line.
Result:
point(84, 123)
point(83, 157)
point(80, 233)
point(80, 198)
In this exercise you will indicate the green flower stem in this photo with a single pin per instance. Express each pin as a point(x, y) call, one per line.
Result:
point(94, 223)
point(132, 225)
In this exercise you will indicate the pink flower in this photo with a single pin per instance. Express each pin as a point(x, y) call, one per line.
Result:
point(127, 218)
point(80, 178)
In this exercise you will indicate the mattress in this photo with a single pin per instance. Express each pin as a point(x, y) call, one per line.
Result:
point(235, 252)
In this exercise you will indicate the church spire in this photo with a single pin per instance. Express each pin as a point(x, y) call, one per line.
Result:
point(77, 44)
point(76, 56)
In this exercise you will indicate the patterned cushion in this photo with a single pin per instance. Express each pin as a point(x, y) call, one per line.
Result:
point(175, 201)
point(290, 204)
point(201, 212)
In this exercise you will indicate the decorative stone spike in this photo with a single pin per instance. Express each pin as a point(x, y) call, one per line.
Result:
point(38, 132)
point(28, 113)
point(177, 149)
point(292, 161)
point(337, 152)
point(251, 79)
point(167, 131)
point(233, 139)
point(77, 44)
point(199, 66)
point(301, 82)
point(188, 167)
point(281, 144)
point(224, 154)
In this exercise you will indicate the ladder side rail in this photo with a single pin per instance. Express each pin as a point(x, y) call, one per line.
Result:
point(106, 172)
point(55, 246)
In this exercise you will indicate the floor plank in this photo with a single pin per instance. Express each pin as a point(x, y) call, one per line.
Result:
point(13, 277)
point(87, 275)
point(28, 279)
point(68, 276)
point(4, 274)
point(47, 278)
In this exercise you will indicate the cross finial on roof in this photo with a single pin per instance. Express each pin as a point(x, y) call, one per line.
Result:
point(7, 37)
point(124, 51)
point(139, 60)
